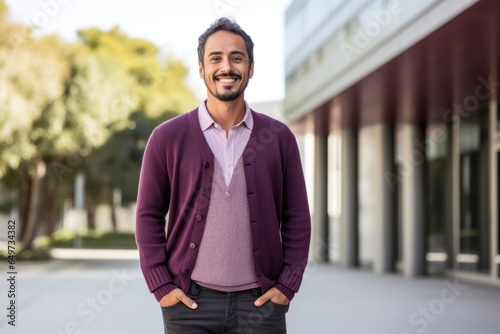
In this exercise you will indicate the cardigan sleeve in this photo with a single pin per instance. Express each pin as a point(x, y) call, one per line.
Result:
point(152, 206)
point(296, 222)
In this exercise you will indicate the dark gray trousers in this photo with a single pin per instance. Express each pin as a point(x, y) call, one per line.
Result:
point(224, 312)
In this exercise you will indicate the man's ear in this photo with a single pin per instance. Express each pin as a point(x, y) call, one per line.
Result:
point(201, 69)
point(250, 72)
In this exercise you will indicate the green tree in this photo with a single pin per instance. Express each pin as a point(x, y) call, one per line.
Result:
point(96, 104)
point(57, 101)
point(25, 63)
point(85, 106)
point(3, 10)
point(160, 92)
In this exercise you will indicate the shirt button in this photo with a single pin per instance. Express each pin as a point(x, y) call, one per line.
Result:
point(228, 194)
point(192, 245)
point(199, 218)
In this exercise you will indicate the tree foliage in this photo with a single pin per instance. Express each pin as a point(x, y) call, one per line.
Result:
point(31, 88)
point(86, 106)
point(160, 92)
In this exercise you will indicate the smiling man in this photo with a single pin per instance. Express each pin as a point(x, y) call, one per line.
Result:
point(237, 239)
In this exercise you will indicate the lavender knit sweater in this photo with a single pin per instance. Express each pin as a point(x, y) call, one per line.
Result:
point(225, 258)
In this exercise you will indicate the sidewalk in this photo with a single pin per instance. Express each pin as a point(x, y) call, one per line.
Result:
point(340, 301)
point(93, 296)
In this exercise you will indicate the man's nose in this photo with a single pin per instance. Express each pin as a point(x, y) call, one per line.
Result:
point(225, 66)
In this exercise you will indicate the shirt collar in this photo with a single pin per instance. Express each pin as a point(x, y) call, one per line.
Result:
point(206, 121)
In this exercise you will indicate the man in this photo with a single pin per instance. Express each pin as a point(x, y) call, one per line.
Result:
point(238, 230)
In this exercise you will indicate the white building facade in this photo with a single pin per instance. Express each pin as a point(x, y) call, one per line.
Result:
point(396, 107)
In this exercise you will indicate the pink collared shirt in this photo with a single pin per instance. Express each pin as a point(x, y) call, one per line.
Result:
point(226, 149)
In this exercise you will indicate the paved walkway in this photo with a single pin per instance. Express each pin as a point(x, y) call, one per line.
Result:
point(360, 302)
point(109, 296)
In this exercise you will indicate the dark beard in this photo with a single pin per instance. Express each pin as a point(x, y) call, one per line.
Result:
point(228, 96)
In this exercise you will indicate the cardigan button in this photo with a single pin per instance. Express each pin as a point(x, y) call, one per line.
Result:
point(192, 245)
point(185, 272)
point(206, 165)
point(199, 218)
point(203, 191)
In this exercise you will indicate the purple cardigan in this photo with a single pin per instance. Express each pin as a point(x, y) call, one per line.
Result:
point(176, 177)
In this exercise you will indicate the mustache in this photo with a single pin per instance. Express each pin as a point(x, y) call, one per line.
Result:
point(227, 75)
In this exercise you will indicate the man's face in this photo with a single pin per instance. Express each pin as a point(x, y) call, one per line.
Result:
point(226, 68)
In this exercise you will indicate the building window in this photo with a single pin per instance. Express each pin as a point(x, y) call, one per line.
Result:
point(436, 150)
point(474, 218)
point(498, 119)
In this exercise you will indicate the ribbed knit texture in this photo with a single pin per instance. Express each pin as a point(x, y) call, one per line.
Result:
point(177, 177)
point(225, 260)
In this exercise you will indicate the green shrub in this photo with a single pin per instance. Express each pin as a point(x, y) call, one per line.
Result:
point(120, 240)
point(40, 254)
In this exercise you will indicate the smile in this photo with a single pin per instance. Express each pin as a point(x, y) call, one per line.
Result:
point(227, 80)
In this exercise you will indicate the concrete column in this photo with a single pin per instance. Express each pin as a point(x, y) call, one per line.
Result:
point(349, 198)
point(412, 200)
point(384, 199)
point(80, 191)
point(80, 213)
point(320, 213)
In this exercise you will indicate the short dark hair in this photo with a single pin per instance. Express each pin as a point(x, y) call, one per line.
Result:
point(227, 25)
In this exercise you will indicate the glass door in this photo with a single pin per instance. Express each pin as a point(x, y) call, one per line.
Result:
point(474, 219)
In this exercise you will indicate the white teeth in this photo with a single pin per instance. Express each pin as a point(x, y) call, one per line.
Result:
point(227, 80)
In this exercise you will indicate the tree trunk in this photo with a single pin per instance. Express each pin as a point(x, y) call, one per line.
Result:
point(50, 214)
point(113, 217)
point(91, 208)
point(35, 200)
point(49, 207)
point(50, 218)
point(116, 203)
point(25, 204)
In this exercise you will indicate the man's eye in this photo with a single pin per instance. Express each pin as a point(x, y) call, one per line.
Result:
point(237, 59)
point(215, 59)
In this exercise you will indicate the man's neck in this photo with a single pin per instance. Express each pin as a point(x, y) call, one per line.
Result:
point(226, 114)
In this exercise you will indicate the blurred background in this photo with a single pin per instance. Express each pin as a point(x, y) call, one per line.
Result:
point(394, 104)
point(397, 106)
point(84, 84)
